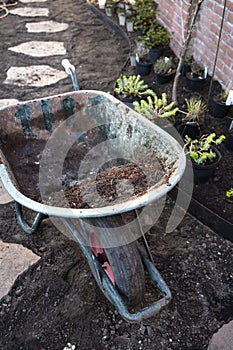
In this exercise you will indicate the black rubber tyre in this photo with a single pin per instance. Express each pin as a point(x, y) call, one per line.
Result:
point(128, 272)
point(123, 257)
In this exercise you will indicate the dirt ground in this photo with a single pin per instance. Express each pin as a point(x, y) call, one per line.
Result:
point(57, 301)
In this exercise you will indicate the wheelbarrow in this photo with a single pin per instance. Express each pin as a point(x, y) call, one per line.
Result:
point(61, 157)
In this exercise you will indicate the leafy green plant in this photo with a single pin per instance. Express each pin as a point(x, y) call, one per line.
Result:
point(142, 53)
point(154, 107)
point(164, 65)
point(201, 150)
point(222, 96)
point(196, 108)
point(196, 70)
point(145, 14)
point(132, 86)
point(155, 38)
point(229, 193)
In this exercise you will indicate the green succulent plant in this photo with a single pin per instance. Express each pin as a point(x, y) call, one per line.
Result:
point(222, 96)
point(196, 70)
point(154, 107)
point(164, 65)
point(201, 150)
point(132, 86)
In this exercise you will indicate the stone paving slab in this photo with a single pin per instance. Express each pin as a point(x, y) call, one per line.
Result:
point(223, 339)
point(38, 76)
point(40, 48)
point(4, 196)
point(14, 260)
point(46, 27)
point(30, 12)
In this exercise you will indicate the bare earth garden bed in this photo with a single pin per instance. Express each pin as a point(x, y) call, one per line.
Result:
point(57, 301)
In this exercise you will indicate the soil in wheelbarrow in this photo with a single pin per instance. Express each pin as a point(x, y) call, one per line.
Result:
point(57, 301)
point(117, 181)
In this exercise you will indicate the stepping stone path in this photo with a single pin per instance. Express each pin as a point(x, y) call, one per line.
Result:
point(38, 75)
point(14, 258)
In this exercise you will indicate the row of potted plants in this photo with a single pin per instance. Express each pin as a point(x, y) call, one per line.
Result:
point(151, 41)
point(201, 148)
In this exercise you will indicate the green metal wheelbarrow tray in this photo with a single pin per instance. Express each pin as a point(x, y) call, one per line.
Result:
point(40, 140)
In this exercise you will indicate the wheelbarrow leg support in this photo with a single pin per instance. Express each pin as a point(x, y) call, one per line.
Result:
point(108, 288)
point(35, 225)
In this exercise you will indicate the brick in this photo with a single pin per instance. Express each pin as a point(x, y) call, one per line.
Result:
point(205, 37)
point(230, 5)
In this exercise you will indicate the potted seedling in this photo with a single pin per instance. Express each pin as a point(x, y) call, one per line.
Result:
point(194, 116)
point(219, 107)
point(102, 4)
point(131, 88)
point(186, 66)
point(121, 16)
point(129, 23)
point(143, 64)
point(155, 39)
point(110, 6)
point(196, 77)
point(157, 109)
point(109, 9)
point(164, 69)
point(128, 9)
point(203, 154)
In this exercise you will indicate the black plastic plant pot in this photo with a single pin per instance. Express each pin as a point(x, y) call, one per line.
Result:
point(195, 83)
point(192, 129)
point(219, 109)
point(163, 78)
point(143, 68)
point(166, 124)
point(154, 54)
point(185, 69)
point(229, 142)
point(128, 101)
point(140, 32)
point(203, 172)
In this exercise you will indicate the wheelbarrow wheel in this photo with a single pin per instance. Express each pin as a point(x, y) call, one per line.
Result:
point(124, 267)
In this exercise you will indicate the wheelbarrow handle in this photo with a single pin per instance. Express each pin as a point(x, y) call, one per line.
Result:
point(70, 69)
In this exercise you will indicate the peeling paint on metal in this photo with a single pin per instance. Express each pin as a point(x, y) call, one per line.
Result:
point(24, 115)
point(46, 109)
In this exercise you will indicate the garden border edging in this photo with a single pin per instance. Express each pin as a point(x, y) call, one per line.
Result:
point(221, 226)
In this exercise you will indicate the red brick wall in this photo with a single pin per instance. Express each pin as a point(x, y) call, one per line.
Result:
point(173, 14)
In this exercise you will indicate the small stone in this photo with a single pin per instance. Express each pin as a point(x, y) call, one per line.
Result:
point(149, 331)
point(142, 329)
point(8, 298)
